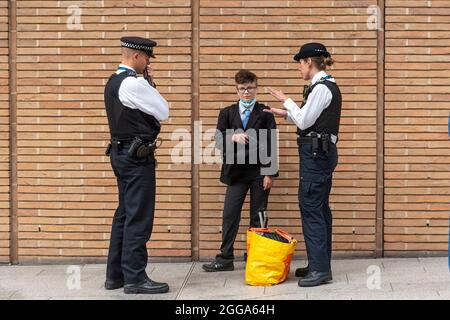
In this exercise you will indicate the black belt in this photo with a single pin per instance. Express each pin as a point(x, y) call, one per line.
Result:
point(304, 140)
point(136, 147)
point(317, 141)
point(308, 139)
point(121, 144)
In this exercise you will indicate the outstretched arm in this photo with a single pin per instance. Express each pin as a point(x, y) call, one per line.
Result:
point(280, 96)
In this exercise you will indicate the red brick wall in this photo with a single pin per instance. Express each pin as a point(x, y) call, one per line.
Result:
point(4, 134)
point(417, 201)
point(66, 190)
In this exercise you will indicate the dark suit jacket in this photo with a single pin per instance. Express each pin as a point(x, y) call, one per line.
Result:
point(230, 118)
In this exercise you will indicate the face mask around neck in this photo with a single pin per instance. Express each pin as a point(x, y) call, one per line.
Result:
point(248, 104)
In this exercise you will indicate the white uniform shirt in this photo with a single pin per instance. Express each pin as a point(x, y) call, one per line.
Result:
point(137, 93)
point(318, 100)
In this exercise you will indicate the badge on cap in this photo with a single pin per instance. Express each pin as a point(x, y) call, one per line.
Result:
point(311, 50)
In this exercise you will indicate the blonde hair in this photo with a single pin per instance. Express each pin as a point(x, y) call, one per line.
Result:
point(322, 62)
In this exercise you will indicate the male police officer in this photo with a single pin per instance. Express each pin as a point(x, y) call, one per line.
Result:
point(135, 109)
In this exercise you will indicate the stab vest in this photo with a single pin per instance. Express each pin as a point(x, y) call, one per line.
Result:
point(329, 119)
point(126, 123)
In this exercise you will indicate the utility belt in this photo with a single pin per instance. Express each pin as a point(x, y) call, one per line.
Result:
point(137, 147)
point(318, 141)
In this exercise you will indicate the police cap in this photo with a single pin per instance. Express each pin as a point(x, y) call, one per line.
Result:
point(139, 43)
point(311, 50)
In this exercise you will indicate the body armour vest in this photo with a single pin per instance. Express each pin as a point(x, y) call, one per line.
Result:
point(126, 123)
point(328, 121)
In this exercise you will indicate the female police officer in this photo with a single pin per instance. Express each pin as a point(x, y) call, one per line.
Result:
point(317, 123)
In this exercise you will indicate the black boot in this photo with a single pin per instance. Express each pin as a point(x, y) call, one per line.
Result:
point(146, 286)
point(301, 272)
point(315, 278)
point(217, 266)
point(113, 284)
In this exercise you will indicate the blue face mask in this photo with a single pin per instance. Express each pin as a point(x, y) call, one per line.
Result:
point(248, 104)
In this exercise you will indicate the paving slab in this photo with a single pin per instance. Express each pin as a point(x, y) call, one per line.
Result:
point(357, 279)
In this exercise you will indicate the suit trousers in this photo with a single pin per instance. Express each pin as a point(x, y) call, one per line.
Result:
point(234, 200)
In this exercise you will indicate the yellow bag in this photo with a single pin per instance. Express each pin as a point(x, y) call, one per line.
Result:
point(268, 260)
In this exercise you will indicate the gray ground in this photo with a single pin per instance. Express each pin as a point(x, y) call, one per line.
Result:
point(412, 278)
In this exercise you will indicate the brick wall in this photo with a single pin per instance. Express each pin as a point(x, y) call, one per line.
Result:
point(263, 36)
point(66, 190)
point(67, 194)
point(417, 107)
point(4, 134)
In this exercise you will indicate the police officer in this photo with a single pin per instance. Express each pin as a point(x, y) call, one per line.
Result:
point(317, 123)
point(135, 109)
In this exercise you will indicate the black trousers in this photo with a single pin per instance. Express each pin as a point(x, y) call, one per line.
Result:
point(314, 191)
point(133, 220)
point(234, 200)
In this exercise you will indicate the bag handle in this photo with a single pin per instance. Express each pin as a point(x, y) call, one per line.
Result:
point(284, 234)
point(260, 229)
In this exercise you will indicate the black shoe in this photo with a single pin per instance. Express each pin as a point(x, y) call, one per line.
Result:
point(216, 266)
point(301, 272)
point(146, 286)
point(315, 278)
point(113, 284)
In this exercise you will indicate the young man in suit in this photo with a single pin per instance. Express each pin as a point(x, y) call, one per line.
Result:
point(247, 138)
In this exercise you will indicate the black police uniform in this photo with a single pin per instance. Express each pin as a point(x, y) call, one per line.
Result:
point(318, 159)
point(316, 172)
point(133, 219)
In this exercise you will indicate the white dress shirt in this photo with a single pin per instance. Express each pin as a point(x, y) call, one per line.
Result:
point(137, 93)
point(318, 100)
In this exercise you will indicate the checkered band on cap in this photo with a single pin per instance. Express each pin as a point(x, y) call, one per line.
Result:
point(136, 46)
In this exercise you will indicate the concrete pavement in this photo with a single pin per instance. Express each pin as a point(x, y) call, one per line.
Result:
point(360, 279)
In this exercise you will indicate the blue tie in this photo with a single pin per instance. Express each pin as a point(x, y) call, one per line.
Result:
point(246, 117)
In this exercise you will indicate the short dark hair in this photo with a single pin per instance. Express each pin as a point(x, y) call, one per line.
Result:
point(245, 76)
